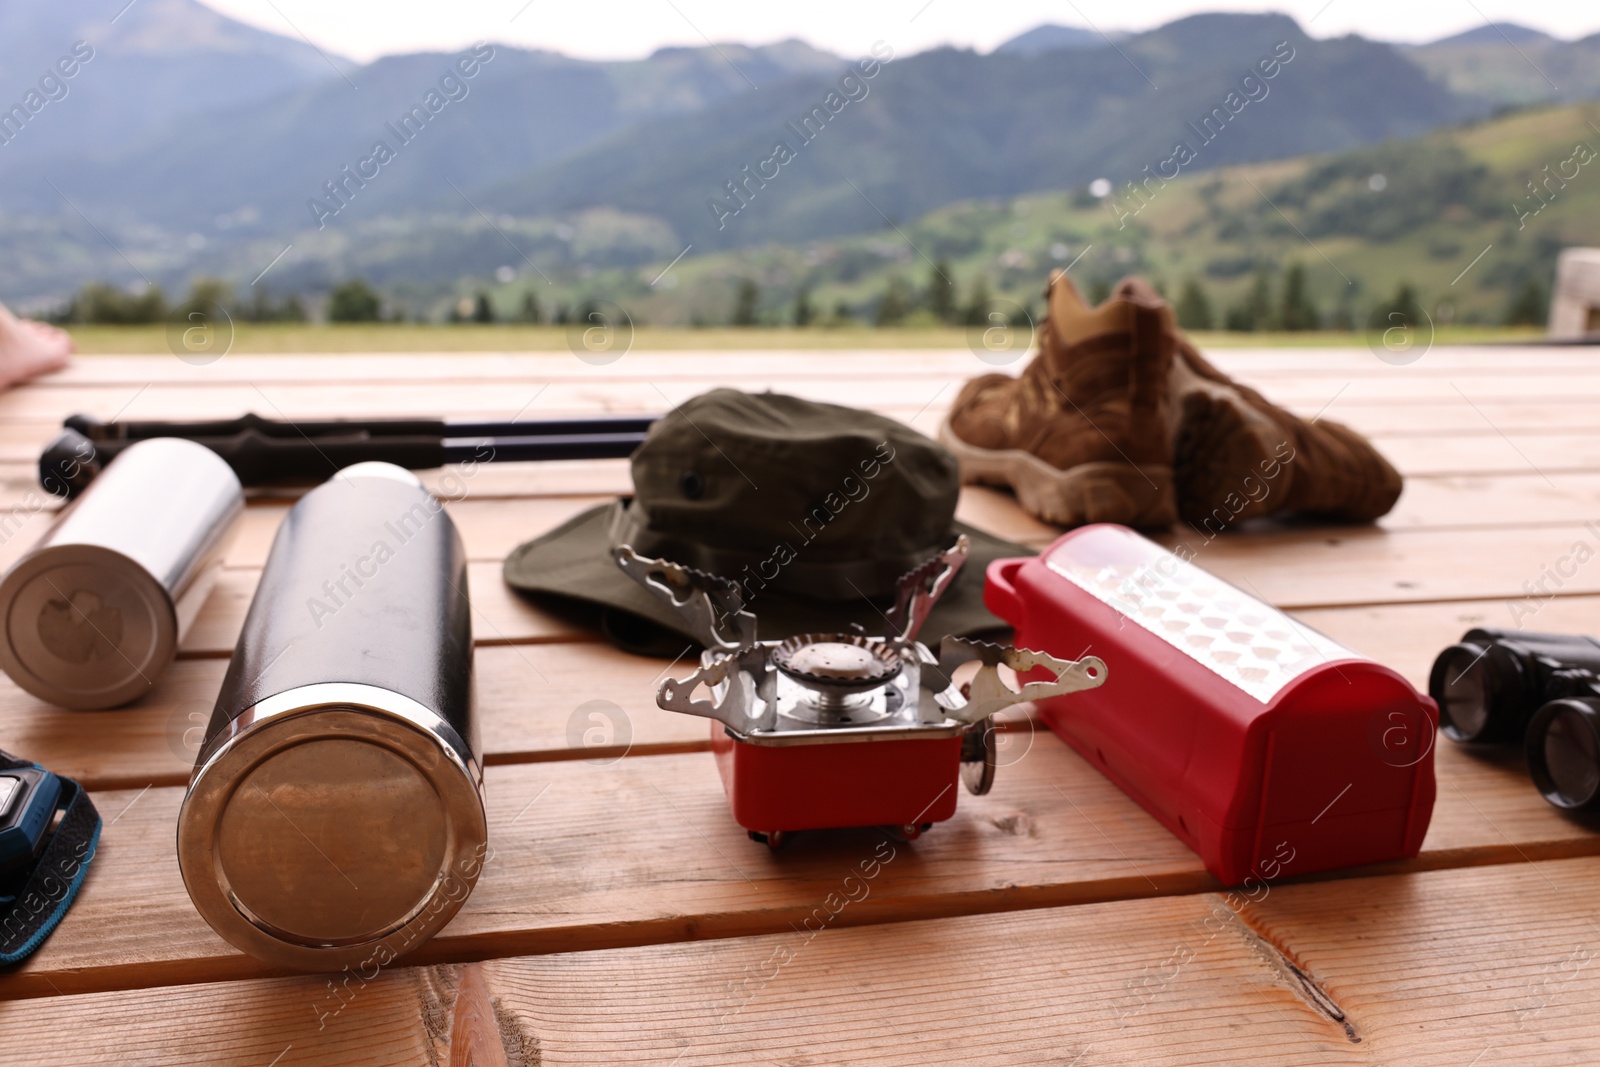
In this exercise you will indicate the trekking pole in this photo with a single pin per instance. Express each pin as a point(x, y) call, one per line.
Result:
point(271, 452)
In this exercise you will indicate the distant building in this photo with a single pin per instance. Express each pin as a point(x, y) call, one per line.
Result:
point(1575, 305)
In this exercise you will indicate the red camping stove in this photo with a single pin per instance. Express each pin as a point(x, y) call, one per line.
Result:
point(1247, 734)
point(836, 730)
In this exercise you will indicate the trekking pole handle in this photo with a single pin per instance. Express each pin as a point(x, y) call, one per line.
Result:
point(71, 461)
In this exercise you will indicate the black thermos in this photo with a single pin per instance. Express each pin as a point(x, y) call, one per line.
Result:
point(335, 817)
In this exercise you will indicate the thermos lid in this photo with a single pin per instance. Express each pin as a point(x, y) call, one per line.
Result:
point(330, 826)
point(85, 626)
point(374, 468)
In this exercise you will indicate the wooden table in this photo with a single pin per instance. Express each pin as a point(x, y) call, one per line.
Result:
point(626, 919)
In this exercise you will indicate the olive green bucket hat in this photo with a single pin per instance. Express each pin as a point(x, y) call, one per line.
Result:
point(815, 510)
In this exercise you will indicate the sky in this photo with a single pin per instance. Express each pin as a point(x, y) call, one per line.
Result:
point(625, 29)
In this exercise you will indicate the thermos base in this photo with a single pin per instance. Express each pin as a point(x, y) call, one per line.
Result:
point(332, 826)
point(85, 627)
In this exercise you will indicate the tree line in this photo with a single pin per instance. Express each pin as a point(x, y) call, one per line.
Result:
point(1269, 304)
point(1289, 307)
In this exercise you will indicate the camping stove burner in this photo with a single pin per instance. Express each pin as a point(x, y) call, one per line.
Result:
point(839, 662)
point(829, 730)
point(839, 680)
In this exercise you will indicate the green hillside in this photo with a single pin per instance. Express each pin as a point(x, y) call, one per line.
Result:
point(1441, 201)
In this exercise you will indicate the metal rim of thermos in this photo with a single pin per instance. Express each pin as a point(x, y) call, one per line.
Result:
point(341, 711)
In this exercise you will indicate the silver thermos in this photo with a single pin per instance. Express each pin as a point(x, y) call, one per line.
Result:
point(335, 817)
point(94, 613)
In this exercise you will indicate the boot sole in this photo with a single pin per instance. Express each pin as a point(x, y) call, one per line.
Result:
point(1125, 493)
point(1229, 461)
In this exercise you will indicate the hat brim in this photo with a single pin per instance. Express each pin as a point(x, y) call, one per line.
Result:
point(570, 570)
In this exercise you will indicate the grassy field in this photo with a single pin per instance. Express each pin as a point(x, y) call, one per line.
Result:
point(251, 339)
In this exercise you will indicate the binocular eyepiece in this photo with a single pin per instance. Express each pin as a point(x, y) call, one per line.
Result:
point(1504, 686)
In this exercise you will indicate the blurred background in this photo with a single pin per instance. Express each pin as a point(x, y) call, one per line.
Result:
point(908, 170)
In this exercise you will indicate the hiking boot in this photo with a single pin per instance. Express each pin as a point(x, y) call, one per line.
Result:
point(1236, 455)
point(1084, 434)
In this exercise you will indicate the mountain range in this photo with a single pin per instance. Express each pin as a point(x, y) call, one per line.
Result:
point(1447, 216)
point(192, 144)
point(156, 63)
point(1508, 65)
point(949, 125)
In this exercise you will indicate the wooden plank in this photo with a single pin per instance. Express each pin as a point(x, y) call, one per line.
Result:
point(1306, 379)
point(500, 369)
point(492, 526)
point(394, 1020)
point(475, 1026)
point(535, 399)
point(22, 439)
point(1390, 970)
point(1510, 489)
point(1325, 567)
point(1408, 637)
point(1490, 416)
point(149, 745)
point(632, 883)
point(1501, 501)
point(622, 393)
point(1540, 455)
point(642, 851)
point(910, 994)
point(529, 696)
point(583, 701)
point(637, 851)
point(1471, 450)
point(730, 365)
point(489, 528)
point(1203, 986)
point(146, 743)
point(1382, 970)
point(24, 432)
point(1516, 493)
point(527, 655)
point(1494, 965)
point(1296, 570)
point(1485, 416)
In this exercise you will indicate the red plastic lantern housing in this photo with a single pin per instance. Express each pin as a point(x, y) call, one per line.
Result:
point(1247, 734)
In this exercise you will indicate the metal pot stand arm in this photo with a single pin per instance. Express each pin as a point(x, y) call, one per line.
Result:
point(989, 693)
point(919, 589)
point(711, 606)
point(747, 701)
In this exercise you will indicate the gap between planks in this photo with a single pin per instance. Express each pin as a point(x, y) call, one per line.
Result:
point(524, 719)
point(1369, 971)
point(1345, 582)
point(644, 851)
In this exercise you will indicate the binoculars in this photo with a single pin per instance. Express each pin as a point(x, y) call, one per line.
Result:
point(1505, 686)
